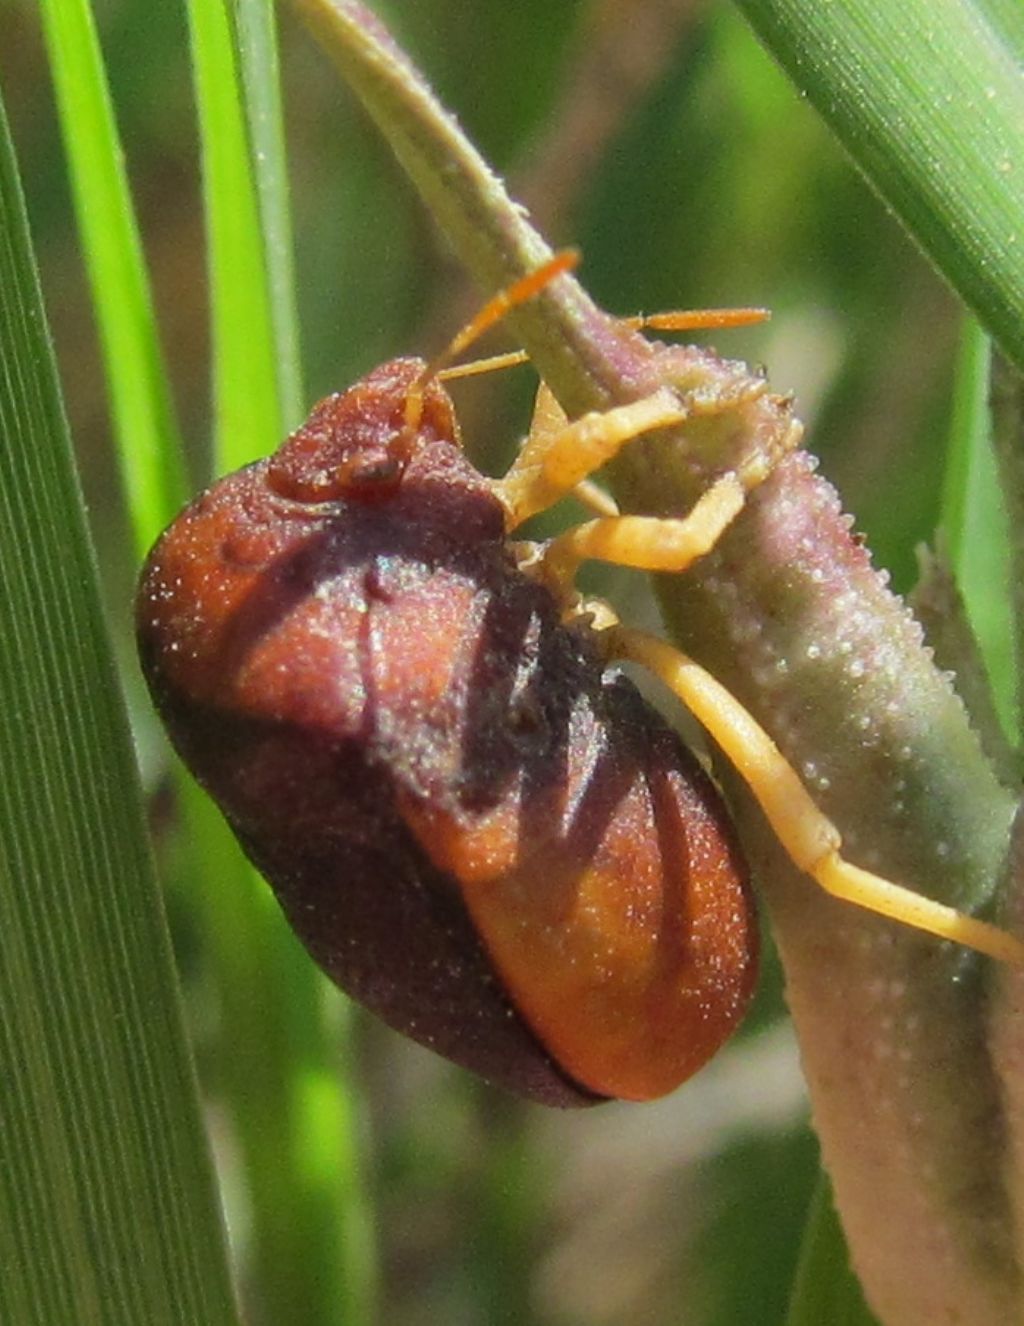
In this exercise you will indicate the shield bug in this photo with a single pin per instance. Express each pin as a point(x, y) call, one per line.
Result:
point(475, 824)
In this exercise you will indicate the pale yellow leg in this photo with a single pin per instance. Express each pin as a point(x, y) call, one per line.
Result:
point(552, 464)
point(596, 498)
point(649, 543)
point(810, 838)
point(547, 421)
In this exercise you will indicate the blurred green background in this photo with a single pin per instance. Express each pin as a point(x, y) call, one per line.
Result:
point(664, 142)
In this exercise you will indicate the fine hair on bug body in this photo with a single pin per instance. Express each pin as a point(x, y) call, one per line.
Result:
point(478, 828)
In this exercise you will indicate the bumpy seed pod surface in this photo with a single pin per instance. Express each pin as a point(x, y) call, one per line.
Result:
point(477, 829)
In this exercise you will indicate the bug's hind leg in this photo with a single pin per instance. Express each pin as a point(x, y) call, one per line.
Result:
point(810, 838)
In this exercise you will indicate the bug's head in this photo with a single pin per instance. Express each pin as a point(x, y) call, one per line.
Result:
point(356, 444)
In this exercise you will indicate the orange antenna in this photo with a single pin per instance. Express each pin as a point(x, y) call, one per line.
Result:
point(492, 364)
point(697, 319)
point(493, 311)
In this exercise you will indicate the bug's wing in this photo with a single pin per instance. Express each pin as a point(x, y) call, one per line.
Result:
point(591, 851)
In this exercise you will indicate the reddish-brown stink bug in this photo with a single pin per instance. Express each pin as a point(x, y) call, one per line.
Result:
point(478, 828)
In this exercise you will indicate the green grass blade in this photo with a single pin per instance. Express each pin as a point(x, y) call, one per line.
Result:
point(293, 1114)
point(974, 522)
point(1007, 402)
point(927, 97)
point(256, 44)
point(140, 396)
point(248, 417)
point(293, 1107)
point(107, 1207)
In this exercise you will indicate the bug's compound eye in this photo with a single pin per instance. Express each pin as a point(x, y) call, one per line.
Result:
point(369, 474)
point(362, 476)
